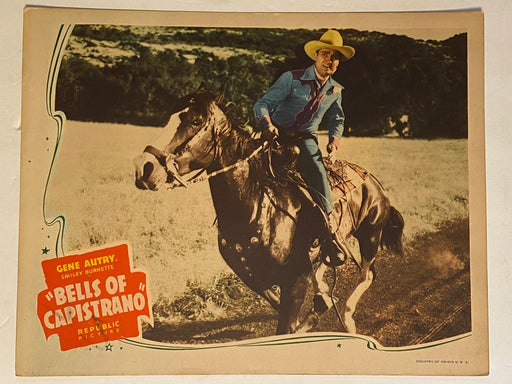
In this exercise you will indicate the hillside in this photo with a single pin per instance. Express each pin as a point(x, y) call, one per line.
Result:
point(134, 75)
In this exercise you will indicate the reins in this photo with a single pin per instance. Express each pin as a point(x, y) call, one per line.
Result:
point(170, 166)
point(162, 159)
point(197, 179)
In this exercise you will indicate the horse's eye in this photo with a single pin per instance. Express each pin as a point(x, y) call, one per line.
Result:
point(196, 122)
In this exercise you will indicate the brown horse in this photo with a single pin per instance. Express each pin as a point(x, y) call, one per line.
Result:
point(271, 233)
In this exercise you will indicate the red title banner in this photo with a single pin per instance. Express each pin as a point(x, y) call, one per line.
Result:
point(92, 298)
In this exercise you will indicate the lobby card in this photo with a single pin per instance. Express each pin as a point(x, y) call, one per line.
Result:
point(141, 150)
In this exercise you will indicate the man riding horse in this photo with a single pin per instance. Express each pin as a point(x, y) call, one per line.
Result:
point(270, 234)
point(296, 104)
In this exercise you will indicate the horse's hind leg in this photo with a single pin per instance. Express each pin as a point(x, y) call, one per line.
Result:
point(368, 252)
point(319, 285)
point(351, 304)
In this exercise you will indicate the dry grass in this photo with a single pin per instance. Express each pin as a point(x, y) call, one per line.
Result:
point(427, 180)
point(172, 232)
point(92, 185)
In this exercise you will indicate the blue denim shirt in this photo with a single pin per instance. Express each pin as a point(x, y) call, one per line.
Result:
point(295, 102)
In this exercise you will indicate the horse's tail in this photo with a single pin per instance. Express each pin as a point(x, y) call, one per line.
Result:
point(393, 231)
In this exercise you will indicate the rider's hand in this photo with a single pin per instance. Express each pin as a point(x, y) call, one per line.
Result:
point(331, 148)
point(269, 133)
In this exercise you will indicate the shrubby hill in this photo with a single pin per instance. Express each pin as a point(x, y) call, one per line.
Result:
point(134, 74)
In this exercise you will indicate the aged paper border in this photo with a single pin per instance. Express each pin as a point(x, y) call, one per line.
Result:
point(41, 27)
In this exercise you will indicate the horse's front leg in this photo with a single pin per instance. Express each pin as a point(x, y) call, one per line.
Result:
point(322, 300)
point(293, 293)
point(290, 307)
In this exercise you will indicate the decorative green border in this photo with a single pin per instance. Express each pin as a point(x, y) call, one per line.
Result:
point(60, 118)
point(291, 340)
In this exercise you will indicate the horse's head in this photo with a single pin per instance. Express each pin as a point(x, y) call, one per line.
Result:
point(188, 143)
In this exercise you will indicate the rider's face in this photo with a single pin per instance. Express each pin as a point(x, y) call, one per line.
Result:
point(327, 61)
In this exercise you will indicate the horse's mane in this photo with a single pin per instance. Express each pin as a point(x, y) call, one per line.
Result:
point(242, 140)
point(244, 137)
point(282, 160)
point(237, 117)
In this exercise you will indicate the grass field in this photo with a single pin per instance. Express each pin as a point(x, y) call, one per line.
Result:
point(171, 231)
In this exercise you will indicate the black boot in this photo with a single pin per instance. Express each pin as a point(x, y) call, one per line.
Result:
point(337, 256)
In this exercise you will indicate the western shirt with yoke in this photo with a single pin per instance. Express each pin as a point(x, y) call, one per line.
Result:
point(298, 103)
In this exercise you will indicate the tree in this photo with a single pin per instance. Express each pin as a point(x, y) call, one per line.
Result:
point(390, 76)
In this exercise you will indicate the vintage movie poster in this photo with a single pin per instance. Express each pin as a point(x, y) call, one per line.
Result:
point(172, 220)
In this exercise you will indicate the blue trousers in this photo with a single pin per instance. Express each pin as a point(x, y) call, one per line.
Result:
point(312, 169)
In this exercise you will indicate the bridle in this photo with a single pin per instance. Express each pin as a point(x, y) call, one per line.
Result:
point(164, 160)
point(158, 154)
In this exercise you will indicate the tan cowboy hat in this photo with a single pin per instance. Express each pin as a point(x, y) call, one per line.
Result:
point(332, 40)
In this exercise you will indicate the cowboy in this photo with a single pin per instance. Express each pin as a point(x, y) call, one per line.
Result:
point(296, 104)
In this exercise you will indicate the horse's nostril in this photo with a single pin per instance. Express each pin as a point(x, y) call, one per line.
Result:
point(147, 170)
point(140, 184)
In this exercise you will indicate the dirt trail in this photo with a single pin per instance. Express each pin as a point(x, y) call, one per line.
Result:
point(421, 297)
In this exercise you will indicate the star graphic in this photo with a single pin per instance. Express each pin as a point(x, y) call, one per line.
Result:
point(45, 250)
point(108, 347)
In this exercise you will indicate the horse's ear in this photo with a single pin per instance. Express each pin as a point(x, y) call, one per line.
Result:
point(219, 95)
point(202, 87)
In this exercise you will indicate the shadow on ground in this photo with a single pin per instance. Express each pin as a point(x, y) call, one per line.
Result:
point(222, 330)
point(420, 297)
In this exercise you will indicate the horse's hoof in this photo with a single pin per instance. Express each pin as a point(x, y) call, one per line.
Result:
point(322, 302)
point(310, 321)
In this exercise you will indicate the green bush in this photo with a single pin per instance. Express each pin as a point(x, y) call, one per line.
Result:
point(390, 76)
